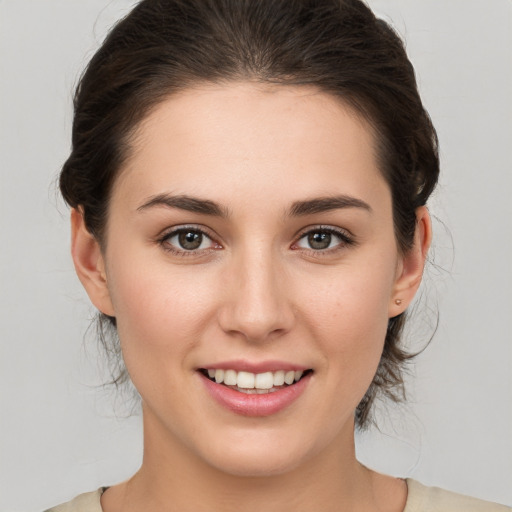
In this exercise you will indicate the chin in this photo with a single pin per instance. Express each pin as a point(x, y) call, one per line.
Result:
point(257, 465)
point(254, 456)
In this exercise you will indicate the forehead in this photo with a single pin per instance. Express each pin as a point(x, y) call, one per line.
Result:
point(233, 140)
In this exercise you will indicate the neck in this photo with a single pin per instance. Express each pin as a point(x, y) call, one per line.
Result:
point(173, 478)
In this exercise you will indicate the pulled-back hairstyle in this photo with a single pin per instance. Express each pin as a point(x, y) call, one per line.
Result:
point(337, 46)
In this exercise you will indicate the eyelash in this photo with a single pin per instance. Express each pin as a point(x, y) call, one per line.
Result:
point(345, 238)
point(164, 241)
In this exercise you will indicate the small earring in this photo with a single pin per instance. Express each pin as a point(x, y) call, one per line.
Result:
point(398, 302)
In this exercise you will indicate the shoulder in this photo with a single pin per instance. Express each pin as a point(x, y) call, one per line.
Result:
point(88, 502)
point(432, 499)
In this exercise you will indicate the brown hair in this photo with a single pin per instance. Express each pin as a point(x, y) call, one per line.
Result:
point(338, 46)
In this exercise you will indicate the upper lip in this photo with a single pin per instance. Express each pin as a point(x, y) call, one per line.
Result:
point(241, 365)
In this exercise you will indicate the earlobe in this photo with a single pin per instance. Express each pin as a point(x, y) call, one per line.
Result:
point(89, 264)
point(410, 270)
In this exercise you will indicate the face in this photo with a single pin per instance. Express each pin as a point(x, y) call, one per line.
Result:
point(249, 241)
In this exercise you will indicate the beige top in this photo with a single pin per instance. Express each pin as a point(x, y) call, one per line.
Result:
point(419, 499)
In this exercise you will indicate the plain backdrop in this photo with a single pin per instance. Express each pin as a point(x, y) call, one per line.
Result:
point(61, 435)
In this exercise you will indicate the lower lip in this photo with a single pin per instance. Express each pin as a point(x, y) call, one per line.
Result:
point(254, 404)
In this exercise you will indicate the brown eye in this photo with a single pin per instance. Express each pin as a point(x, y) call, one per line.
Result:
point(190, 240)
point(324, 240)
point(319, 240)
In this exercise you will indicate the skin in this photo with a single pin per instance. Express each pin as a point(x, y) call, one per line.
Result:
point(255, 290)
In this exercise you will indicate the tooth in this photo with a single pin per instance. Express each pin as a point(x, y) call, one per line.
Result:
point(264, 380)
point(245, 380)
point(248, 381)
point(230, 378)
point(279, 378)
point(262, 391)
point(289, 377)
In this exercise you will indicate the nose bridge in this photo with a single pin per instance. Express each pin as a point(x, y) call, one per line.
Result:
point(257, 304)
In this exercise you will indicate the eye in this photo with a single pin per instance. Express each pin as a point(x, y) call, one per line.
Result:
point(187, 240)
point(323, 239)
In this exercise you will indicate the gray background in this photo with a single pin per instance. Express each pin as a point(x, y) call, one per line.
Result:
point(60, 435)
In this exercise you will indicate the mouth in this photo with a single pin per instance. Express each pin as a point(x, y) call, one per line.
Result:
point(255, 383)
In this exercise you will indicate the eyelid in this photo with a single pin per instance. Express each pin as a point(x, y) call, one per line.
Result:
point(347, 238)
point(343, 232)
point(172, 231)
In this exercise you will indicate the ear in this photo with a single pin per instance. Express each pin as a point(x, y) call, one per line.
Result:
point(411, 265)
point(89, 264)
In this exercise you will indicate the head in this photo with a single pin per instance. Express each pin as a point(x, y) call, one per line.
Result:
point(335, 48)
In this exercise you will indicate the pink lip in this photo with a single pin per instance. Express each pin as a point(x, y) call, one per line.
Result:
point(254, 404)
point(241, 365)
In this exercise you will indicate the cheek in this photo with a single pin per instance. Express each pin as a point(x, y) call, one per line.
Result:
point(349, 317)
point(160, 311)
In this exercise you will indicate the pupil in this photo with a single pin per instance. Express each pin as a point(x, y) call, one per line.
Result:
point(190, 240)
point(319, 240)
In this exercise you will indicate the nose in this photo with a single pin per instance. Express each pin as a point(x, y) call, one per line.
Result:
point(257, 305)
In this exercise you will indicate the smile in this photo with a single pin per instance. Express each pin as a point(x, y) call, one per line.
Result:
point(262, 393)
point(254, 383)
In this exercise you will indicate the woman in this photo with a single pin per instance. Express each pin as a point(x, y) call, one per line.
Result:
point(248, 183)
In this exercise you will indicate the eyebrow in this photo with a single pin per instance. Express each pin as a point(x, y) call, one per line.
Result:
point(187, 203)
point(208, 207)
point(325, 204)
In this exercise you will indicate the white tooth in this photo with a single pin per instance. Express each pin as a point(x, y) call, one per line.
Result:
point(219, 376)
point(211, 374)
point(262, 391)
point(264, 380)
point(289, 377)
point(279, 378)
point(298, 374)
point(230, 377)
point(245, 380)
